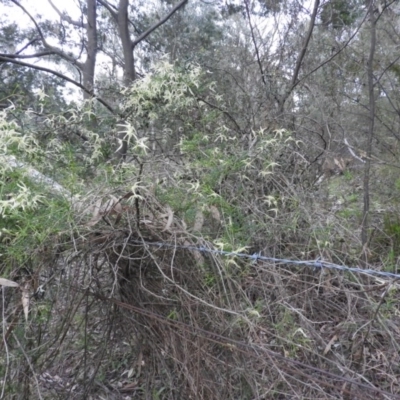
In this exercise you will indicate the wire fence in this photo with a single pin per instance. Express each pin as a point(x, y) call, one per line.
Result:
point(258, 257)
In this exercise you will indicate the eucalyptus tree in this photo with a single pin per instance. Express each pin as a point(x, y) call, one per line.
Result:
point(78, 43)
point(78, 40)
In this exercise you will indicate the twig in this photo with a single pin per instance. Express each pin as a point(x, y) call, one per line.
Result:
point(4, 342)
point(30, 365)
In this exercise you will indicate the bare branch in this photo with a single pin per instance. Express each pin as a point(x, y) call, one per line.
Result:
point(351, 151)
point(159, 23)
point(222, 111)
point(41, 54)
point(59, 75)
point(45, 44)
point(305, 46)
point(33, 20)
point(66, 17)
point(333, 55)
point(254, 42)
point(27, 45)
point(371, 131)
point(110, 9)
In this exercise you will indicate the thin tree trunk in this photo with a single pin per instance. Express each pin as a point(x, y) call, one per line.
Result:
point(300, 58)
point(127, 46)
point(88, 67)
point(368, 150)
point(129, 68)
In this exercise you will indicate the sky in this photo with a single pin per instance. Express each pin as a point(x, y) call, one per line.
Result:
point(42, 7)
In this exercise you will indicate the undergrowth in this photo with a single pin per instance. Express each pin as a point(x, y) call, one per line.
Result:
point(110, 312)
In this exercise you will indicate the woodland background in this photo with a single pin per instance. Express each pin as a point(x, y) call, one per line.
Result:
point(133, 134)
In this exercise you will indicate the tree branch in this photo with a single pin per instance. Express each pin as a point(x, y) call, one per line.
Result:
point(33, 20)
point(16, 55)
point(159, 23)
point(109, 8)
point(114, 13)
point(333, 55)
point(66, 17)
point(254, 42)
point(222, 111)
point(45, 44)
point(62, 76)
point(305, 46)
point(37, 176)
point(27, 45)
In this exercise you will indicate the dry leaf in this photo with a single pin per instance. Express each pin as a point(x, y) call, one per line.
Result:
point(8, 283)
point(118, 208)
point(184, 226)
point(198, 221)
point(109, 205)
point(329, 345)
point(96, 216)
point(215, 213)
point(96, 208)
point(129, 387)
point(25, 299)
point(170, 218)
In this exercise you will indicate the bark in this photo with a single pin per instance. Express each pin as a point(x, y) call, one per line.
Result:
point(88, 67)
point(36, 176)
point(127, 47)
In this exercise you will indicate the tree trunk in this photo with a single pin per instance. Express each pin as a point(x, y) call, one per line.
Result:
point(88, 67)
point(368, 150)
point(127, 46)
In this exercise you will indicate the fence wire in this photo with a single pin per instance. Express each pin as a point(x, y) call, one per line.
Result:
point(318, 263)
